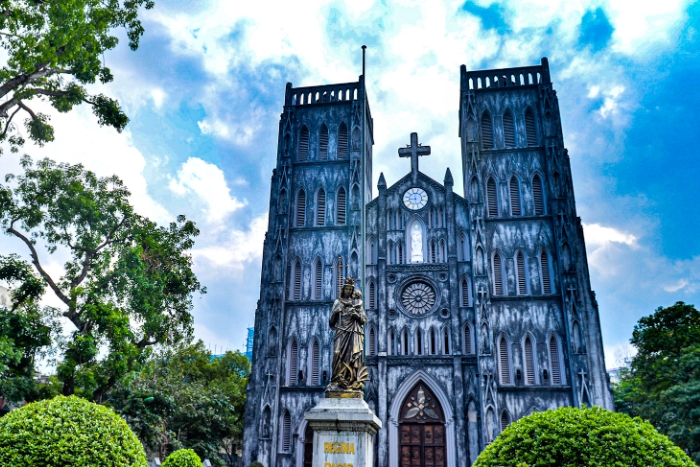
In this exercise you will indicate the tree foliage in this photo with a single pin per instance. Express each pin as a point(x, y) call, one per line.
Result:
point(663, 382)
point(128, 282)
point(68, 431)
point(54, 48)
point(183, 458)
point(572, 437)
point(186, 398)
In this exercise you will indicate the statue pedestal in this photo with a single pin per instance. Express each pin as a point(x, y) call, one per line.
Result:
point(343, 432)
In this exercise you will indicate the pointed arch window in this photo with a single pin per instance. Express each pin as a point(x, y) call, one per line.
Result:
point(323, 143)
point(390, 257)
point(292, 363)
point(529, 361)
point(295, 291)
point(338, 271)
point(467, 339)
point(520, 267)
point(486, 130)
point(463, 247)
point(341, 206)
point(318, 279)
point(538, 195)
point(372, 295)
point(342, 141)
point(555, 360)
point(497, 274)
point(419, 341)
point(509, 129)
point(392, 342)
point(492, 197)
point(321, 207)
point(545, 273)
point(441, 252)
point(314, 370)
point(286, 432)
point(267, 415)
point(433, 252)
point(432, 342)
point(530, 129)
point(446, 341)
point(399, 253)
point(504, 361)
point(301, 208)
point(304, 143)
point(372, 342)
point(515, 204)
point(465, 293)
point(404, 342)
point(505, 420)
point(372, 251)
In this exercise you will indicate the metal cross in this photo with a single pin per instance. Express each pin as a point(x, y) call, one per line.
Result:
point(413, 151)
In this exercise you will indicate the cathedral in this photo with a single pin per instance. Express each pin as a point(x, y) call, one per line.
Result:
point(479, 308)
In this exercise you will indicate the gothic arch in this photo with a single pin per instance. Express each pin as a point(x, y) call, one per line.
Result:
point(395, 411)
point(408, 254)
point(300, 435)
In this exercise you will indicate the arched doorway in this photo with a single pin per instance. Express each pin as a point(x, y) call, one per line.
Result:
point(422, 439)
point(308, 446)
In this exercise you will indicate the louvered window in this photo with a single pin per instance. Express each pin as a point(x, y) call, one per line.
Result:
point(433, 254)
point(342, 141)
point(286, 432)
point(545, 273)
point(497, 275)
point(321, 207)
point(372, 295)
point(520, 264)
point(341, 206)
point(529, 362)
point(419, 342)
point(296, 287)
point(538, 195)
point(293, 363)
point(304, 144)
point(318, 280)
point(492, 197)
point(323, 143)
point(504, 361)
point(446, 341)
point(509, 129)
point(486, 131)
point(467, 339)
point(530, 129)
point(372, 341)
point(301, 208)
point(465, 292)
point(338, 276)
point(399, 251)
point(515, 208)
point(505, 420)
point(432, 345)
point(404, 342)
point(315, 363)
point(554, 360)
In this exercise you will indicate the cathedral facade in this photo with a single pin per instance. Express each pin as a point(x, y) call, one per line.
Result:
point(479, 308)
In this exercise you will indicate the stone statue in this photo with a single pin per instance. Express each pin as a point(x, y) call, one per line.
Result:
point(347, 320)
point(416, 244)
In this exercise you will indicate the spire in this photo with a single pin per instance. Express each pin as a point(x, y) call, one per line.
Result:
point(448, 178)
point(382, 181)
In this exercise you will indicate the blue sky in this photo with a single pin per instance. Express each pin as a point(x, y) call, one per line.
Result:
point(205, 90)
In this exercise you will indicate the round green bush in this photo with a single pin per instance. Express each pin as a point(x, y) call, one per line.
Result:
point(571, 437)
point(183, 458)
point(68, 431)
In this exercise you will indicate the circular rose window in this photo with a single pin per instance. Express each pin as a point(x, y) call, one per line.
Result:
point(418, 298)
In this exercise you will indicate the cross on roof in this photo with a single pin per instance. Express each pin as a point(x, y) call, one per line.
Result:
point(413, 151)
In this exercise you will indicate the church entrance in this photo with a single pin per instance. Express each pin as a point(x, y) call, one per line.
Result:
point(308, 446)
point(422, 429)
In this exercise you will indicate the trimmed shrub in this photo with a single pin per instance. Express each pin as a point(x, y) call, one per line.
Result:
point(183, 458)
point(256, 464)
point(68, 431)
point(571, 437)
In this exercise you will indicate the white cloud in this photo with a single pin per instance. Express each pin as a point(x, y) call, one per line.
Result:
point(238, 249)
point(676, 286)
point(207, 181)
point(598, 236)
point(611, 102)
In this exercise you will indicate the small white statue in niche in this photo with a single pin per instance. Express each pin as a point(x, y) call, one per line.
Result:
point(416, 243)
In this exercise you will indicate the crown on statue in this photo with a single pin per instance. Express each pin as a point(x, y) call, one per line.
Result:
point(349, 281)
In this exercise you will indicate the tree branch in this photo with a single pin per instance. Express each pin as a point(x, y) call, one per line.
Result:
point(27, 109)
point(90, 253)
point(7, 124)
point(25, 78)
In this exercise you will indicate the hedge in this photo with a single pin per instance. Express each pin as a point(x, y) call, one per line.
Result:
point(183, 458)
point(68, 431)
point(572, 437)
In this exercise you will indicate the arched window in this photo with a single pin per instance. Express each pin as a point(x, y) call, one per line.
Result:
point(342, 141)
point(314, 359)
point(286, 432)
point(442, 256)
point(282, 201)
point(555, 360)
point(467, 339)
point(301, 208)
point(504, 360)
point(341, 207)
point(463, 247)
point(432, 342)
point(545, 273)
point(390, 220)
point(318, 279)
point(355, 197)
point(474, 190)
point(372, 251)
point(295, 291)
point(372, 342)
point(265, 431)
point(515, 206)
point(390, 256)
point(530, 129)
point(479, 261)
point(505, 420)
point(486, 130)
point(392, 342)
point(372, 295)
point(323, 143)
point(492, 197)
point(509, 129)
point(292, 363)
point(404, 342)
point(490, 425)
point(566, 258)
point(399, 253)
point(419, 341)
point(538, 195)
point(446, 341)
point(529, 361)
point(304, 143)
point(338, 271)
point(321, 207)
point(497, 274)
point(465, 293)
point(433, 252)
point(521, 271)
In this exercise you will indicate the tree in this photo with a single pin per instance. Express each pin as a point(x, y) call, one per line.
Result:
point(55, 48)
point(128, 282)
point(573, 437)
point(183, 458)
point(663, 382)
point(186, 398)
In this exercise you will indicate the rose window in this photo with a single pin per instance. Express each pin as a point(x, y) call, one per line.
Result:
point(418, 298)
